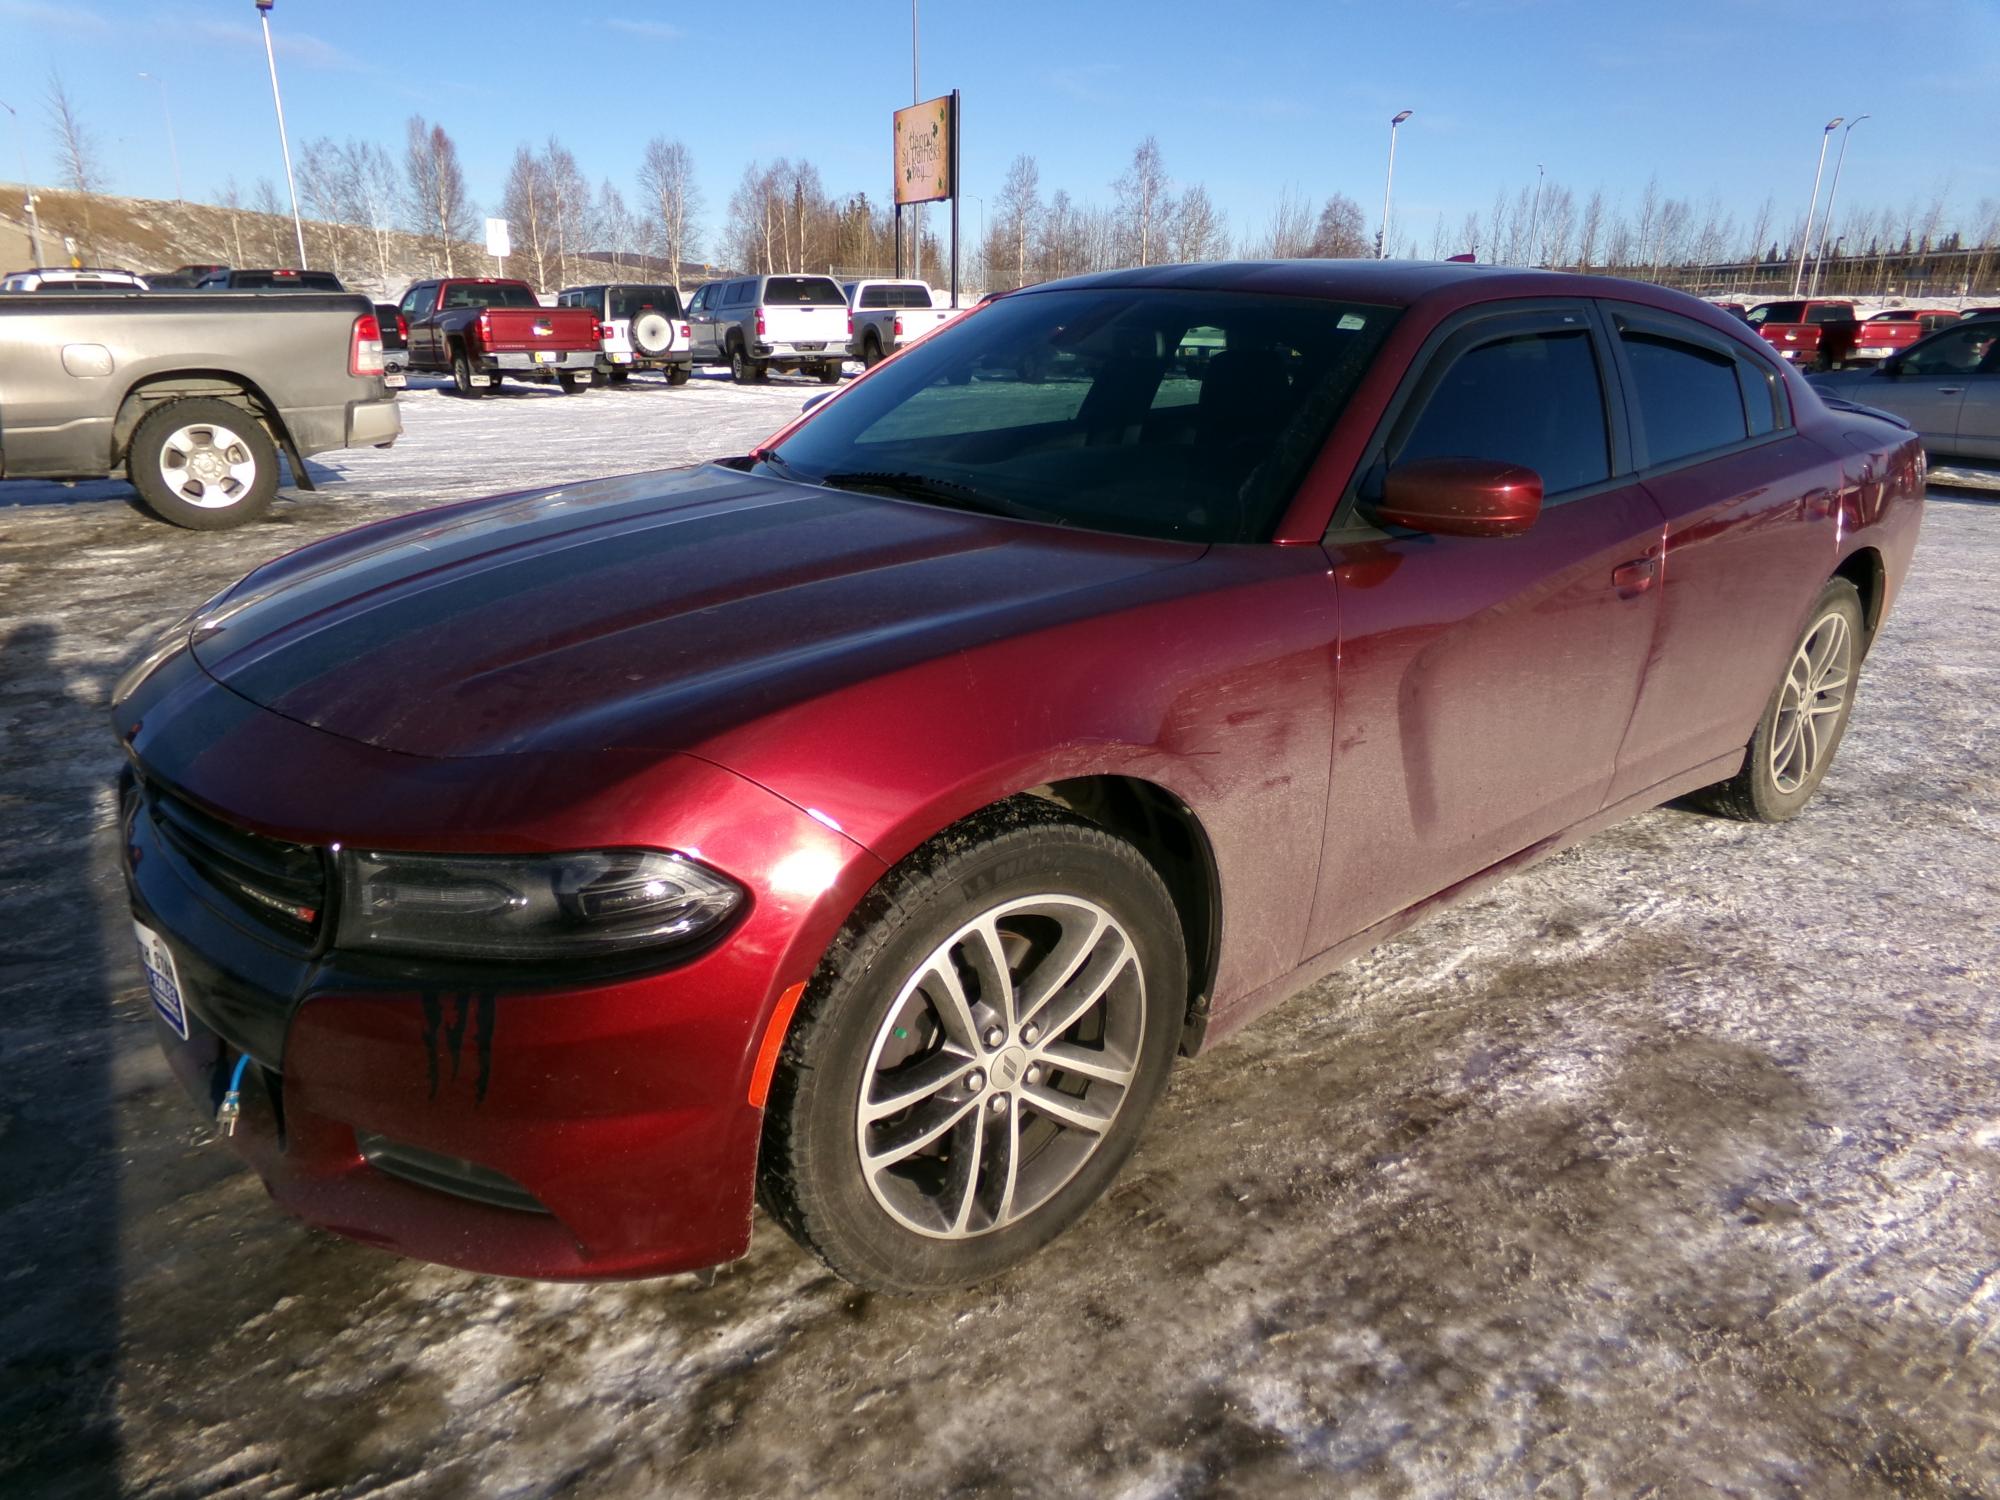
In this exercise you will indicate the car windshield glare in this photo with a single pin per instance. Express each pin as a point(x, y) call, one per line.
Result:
point(1147, 411)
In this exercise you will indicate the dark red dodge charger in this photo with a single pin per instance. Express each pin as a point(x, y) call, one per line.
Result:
point(864, 824)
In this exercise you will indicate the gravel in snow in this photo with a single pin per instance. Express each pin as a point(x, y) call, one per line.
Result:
point(1673, 1166)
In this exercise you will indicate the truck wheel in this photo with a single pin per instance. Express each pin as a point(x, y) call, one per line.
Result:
point(829, 373)
point(871, 352)
point(461, 375)
point(203, 464)
point(742, 369)
point(573, 381)
point(679, 374)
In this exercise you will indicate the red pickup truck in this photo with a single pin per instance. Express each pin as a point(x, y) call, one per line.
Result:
point(1894, 331)
point(477, 328)
point(1811, 334)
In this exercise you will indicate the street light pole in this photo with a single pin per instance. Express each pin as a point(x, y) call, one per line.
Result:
point(916, 209)
point(291, 186)
point(1389, 182)
point(1819, 261)
point(173, 147)
point(1805, 243)
point(1535, 214)
point(34, 219)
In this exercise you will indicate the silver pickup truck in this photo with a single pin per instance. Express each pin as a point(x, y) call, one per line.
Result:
point(190, 396)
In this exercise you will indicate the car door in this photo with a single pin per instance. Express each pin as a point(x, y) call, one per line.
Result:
point(422, 352)
point(1926, 385)
point(1751, 513)
point(1979, 415)
point(1485, 683)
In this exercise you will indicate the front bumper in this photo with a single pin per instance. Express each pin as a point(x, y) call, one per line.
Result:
point(618, 1110)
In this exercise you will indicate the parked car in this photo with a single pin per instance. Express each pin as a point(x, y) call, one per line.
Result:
point(190, 397)
point(281, 279)
point(479, 328)
point(756, 324)
point(640, 327)
point(1981, 312)
point(866, 822)
point(1887, 333)
point(1946, 386)
point(1818, 334)
point(182, 277)
point(72, 279)
point(395, 342)
point(884, 316)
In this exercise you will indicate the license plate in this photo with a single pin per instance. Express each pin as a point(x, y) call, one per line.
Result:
point(810, 348)
point(162, 981)
point(546, 356)
point(396, 381)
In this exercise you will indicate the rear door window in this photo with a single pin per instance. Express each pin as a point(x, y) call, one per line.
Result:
point(1529, 398)
point(1687, 398)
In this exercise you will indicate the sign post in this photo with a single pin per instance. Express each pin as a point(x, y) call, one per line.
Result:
point(925, 140)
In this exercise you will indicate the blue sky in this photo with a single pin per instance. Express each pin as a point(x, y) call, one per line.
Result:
point(1248, 96)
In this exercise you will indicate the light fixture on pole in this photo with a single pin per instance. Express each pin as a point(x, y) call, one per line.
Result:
point(291, 186)
point(1805, 241)
point(1832, 193)
point(173, 147)
point(1389, 182)
point(34, 219)
point(1535, 215)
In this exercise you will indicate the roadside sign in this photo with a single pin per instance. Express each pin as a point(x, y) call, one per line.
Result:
point(924, 154)
point(498, 245)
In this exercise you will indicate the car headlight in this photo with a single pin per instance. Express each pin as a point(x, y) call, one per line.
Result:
point(538, 906)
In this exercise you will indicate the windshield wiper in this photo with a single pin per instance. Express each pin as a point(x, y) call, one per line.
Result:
point(936, 491)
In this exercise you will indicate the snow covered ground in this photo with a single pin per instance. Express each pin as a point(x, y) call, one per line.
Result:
point(1672, 1167)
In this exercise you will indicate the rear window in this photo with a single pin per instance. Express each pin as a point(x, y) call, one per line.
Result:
point(486, 294)
point(630, 301)
point(1830, 315)
point(1778, 312)
point(803, 291)
point(292, 281)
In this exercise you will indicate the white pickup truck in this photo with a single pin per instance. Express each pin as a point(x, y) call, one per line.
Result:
point(884, 316)
point(756, 324)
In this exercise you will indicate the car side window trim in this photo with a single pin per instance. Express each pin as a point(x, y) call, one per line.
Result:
point(1446, 342)
point(1665, 325)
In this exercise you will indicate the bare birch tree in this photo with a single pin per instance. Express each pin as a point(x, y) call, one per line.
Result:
point(666, 177)
point(1142, 203)
point(435, 201)
point(1200, 230)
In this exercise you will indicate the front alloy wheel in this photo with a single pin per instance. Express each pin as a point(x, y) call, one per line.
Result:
point(976, 1057)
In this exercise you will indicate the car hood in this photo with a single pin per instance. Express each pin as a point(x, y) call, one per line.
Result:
point(653, 610)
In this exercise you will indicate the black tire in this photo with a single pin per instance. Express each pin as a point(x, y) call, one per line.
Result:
point(1758, 793)
point(679, 374)
point(871, 351)
point(156, 464)
point(742, 368)
point(811, 1178)
point(461, 375)
point(617, 376)
point(573, 381)
point(829, 373)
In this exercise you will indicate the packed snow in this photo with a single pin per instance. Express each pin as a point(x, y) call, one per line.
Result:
point(1672, 1166)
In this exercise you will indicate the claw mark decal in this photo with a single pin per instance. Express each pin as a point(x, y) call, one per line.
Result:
point(442, 1038)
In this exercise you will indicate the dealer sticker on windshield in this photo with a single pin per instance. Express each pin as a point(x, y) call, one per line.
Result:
point(162, 980)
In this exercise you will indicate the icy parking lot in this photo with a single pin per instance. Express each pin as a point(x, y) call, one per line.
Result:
point(1671, 1167)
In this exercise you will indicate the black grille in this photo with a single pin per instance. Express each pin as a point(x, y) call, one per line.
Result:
point(282, 885)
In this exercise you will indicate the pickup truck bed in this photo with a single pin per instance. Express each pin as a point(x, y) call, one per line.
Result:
point(192, 395)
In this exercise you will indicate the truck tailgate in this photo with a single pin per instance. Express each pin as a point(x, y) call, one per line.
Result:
point(805, 325)
point(517, 330)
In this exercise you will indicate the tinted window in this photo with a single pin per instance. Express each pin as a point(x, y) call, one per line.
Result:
point(630, 301)
point(1071, 406)
point(1778, 312)
point(700, 302)
point(875, 296)
point(488, 294)
point(913, 296)
point(1761, 401)
point(416, 301)
point(1830, 315)
point(803, 291)
point(1957, 351)
point(739, 293)
point(1687, 395)
point(1533, 399)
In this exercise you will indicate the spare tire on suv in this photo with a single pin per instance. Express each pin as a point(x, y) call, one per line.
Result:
point(652, 334)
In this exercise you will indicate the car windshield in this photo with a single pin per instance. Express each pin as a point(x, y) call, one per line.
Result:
point(1778, 312)
point(1152, 412)
point(488, 294)
point(804, 291)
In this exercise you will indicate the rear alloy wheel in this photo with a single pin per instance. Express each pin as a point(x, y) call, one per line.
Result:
point(461, 375)
point(203, 464)
point(976, 1061)
point(743, 369)
point(1793, 747)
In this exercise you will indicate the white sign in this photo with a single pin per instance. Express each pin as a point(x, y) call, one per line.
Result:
point(497, 242)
